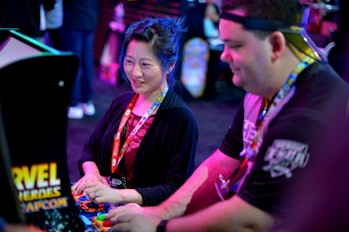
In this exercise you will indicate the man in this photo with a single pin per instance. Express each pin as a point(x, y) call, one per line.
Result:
point(294, 98)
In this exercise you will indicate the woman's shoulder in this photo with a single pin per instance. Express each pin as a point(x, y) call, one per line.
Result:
point(174, 100)
point(175, 107)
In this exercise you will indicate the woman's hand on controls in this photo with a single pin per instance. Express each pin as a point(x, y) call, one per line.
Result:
point(99, 192)
point(80, 186)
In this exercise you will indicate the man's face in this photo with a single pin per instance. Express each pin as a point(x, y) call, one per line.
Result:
point(249, 57)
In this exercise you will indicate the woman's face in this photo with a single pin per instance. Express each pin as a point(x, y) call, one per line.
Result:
point(143, 70)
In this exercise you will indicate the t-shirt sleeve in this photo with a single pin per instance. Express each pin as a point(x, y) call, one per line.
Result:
point(233, 140)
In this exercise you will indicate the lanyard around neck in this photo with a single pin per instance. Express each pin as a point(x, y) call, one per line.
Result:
point(118, 154)
point(282, 97)
point(226, 187)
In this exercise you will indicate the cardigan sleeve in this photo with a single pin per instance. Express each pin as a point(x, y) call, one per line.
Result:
point(166, 155)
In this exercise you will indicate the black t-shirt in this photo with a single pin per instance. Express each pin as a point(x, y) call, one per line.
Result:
point(292, 136)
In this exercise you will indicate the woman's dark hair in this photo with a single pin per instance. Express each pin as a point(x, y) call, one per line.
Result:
point(164, 36)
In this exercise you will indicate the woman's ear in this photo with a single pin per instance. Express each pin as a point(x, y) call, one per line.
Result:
point(171, 67)
point(278, 43)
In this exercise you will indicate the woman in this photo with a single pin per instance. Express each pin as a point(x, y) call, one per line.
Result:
point(146, 140)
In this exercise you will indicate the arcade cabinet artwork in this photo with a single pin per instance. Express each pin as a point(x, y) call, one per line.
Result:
point(35, 87)
point(194, 66)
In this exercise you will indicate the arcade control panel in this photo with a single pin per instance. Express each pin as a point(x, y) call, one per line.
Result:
point(93, 214)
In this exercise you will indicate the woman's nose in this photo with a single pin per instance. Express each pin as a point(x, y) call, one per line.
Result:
point(137, 70)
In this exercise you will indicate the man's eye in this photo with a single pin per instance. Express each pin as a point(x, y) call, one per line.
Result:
point(234, 46)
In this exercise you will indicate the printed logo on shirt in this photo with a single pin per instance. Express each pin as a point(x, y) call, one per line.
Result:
point(249, 132)
point(284, 156)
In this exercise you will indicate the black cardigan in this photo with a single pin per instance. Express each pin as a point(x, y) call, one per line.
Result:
point(166, 155)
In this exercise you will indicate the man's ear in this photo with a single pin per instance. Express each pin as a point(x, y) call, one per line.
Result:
point(278, 43)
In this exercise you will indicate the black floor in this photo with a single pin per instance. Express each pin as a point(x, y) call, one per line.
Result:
point(213, 116)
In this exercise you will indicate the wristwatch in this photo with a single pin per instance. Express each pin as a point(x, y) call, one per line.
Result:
point(162, 226)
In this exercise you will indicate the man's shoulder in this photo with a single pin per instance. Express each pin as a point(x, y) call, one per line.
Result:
point(322, 81)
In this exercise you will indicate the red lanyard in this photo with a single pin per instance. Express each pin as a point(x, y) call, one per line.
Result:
point(118, 154)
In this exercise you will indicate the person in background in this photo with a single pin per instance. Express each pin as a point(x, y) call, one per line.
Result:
point(293, 100)
point(77, 36)
point(202, 20)
point(28, 16)
point(143, 148)
point(339, 54)
point(54, 21)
